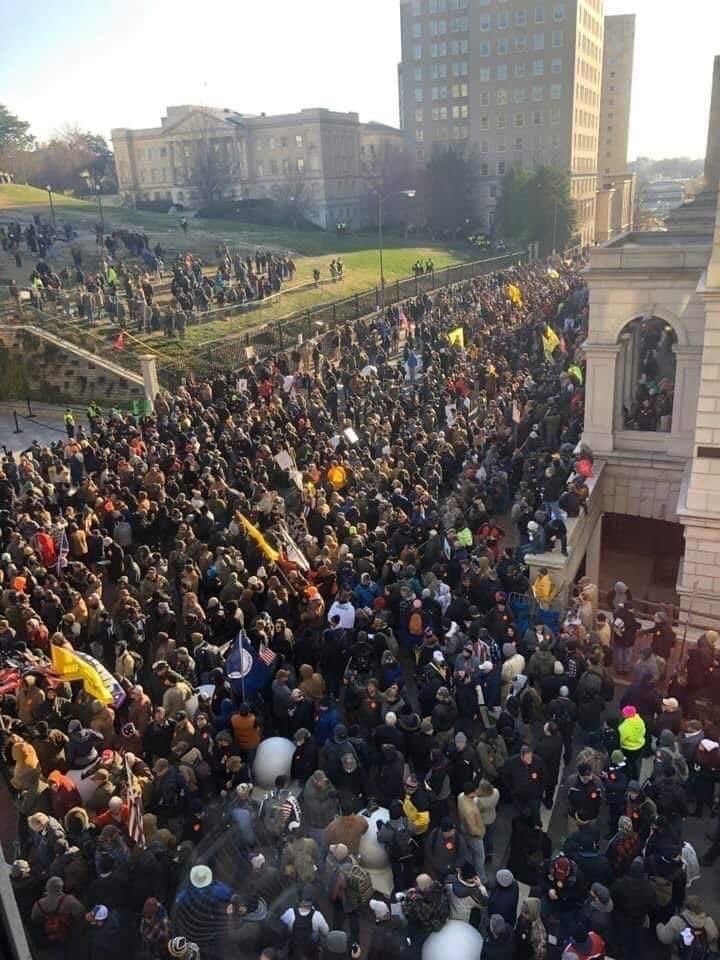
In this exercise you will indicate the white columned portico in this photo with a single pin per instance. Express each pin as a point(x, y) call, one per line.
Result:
point(600, 392)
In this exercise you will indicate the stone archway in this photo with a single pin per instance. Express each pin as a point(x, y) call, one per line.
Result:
point(645, 375)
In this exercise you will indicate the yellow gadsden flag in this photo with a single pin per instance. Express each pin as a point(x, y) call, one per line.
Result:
point(514, 293)
point(97, 681)
point(550, 341)
point(252, 531)
point(457, 337)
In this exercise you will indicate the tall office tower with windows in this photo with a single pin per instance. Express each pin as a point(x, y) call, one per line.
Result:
point(519, 81)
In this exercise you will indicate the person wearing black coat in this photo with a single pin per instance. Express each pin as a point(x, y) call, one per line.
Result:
point(633, 899)
point(529, 849)
point(301, 713)
point(503, 899)
point(421, 743)
point(526, 777)
point(390, 775)
point(446, 849)
point(305, 759)
point(549, 748)
point(500, 942)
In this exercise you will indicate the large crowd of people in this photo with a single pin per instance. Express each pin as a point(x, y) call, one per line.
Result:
point(121, 281)
point(322, 557)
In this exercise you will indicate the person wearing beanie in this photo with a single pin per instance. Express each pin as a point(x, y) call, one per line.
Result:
point(563, 711)
point(632, 732)
point(500, 942)
point(633, 899)
point(504, 896)
point(615, 780)
point(640, 808)
point(623, 846)
point(597, 912)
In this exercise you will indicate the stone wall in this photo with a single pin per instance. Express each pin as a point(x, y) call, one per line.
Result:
point(642, 487)
point(41, 366)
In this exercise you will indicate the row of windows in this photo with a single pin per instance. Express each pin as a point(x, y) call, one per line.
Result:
point(535, 119)
point(521, 19)
point(441, 92)
point(586, 95)
point(584, 142)
point(439, 71)
point(439, 28)
point(156, 175)
point(273, 143)
point(287, 167)
point(519, 144)
point(437, 6)
point(150, 153)
point(446, 133)
point(585, 119)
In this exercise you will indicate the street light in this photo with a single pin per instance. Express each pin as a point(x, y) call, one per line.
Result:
point(381, 200)
point(102, 219)
point(52, 208)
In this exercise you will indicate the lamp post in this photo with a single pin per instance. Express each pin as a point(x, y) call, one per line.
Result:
point(102, 219)
point(381, 200)
point(52, 207)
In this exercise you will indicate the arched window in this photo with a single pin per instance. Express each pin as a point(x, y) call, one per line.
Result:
point(646, 375)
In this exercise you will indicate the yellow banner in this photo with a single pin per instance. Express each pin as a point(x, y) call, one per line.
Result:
point(514, 293)
point(457, 337)
point(550, 341)
point(97, 681)
point(254, 534)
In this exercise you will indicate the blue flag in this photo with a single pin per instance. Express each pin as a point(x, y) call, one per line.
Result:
point(247, 670)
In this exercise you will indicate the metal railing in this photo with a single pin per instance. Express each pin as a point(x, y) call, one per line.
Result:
point(285, 333)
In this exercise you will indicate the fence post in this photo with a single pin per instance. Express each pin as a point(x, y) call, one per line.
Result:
point(18, 428)
point(308, 331)
point(357, 306)
point(447, 276)
point(334, 314)
point(280, 335)
point(397, 289)
point(31, 415)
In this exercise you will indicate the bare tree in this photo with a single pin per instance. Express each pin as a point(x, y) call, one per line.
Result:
point(293, 196)
point(386, 171)
point(214, 168)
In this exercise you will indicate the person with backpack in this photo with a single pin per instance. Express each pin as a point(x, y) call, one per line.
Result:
point(396, 835)
point(280, 810)
point(57, 913)
point(563, 711)
point(307, 927)
point(348, 887)
point(692, 933)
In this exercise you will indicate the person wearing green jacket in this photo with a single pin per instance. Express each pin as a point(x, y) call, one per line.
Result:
point(632, 739)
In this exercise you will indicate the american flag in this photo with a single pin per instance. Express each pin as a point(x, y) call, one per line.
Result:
point(63, 549)
point(267, 655)
point(136, 830)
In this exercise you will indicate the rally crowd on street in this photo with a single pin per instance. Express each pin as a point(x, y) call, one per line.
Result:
point(325, 553)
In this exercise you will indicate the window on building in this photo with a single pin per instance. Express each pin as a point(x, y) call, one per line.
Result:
point(559, 12)
point(558, 38)
point(501, 121)
point(520, 70)
point(417, 52)
point(458, 25)
point(492, 192)
point(273, 167)
point(519, 95)
point(484, 146)
point(538, 41)
point(417, 8)
point(417, 31)
point(519, 120)
point(520, 43)
point(538, 68)
point(484, 121)
point(419, 116)
point(418, 74)
point(644, 409)
point(555, 91)
point(503, 20)
point(520, 18)
point(555, 115)
point(484, 98)
point(539, 14)
point(502, 47)
point(273, 143)
point(419, 135)
point(500, 145)
point(518, 143)
point(163, 151)
point(502, 71)
point(484, 49)
point(260, 170)
point(484, 75)
point(483, 169)
point(555, 142)
point(537, 118)
point(502, 97)
point(501, 167)
point(438, 6)
point(484, 22)
point(537, 93)
point(556, 65)
point(418, 95)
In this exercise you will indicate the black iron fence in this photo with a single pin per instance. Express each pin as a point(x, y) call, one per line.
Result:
point(233, 350)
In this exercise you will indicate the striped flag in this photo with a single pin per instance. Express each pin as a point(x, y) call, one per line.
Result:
point(62, 553)
point(267, 655)
point(136, 830)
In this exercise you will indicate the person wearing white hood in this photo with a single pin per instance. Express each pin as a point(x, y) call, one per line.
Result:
point(343, 608)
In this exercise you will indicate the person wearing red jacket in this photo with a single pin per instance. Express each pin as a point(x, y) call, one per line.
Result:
point(584, 945)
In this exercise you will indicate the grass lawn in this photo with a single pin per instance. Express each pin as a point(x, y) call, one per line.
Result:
point(310, 248)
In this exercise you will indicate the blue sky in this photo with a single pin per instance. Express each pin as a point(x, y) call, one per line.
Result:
point(115, 63)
